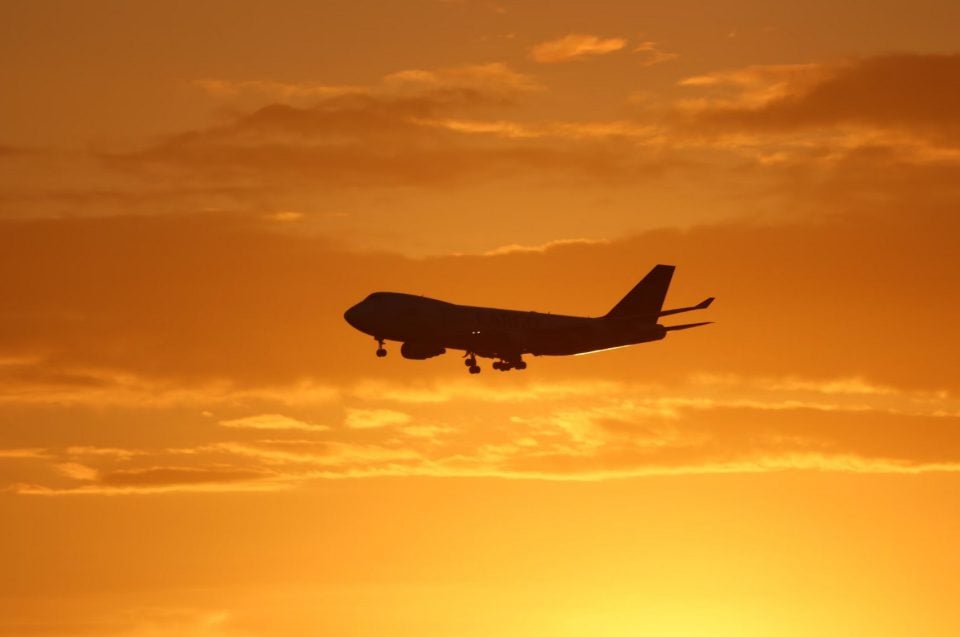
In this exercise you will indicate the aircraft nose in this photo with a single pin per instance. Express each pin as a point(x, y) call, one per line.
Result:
point(352, 316)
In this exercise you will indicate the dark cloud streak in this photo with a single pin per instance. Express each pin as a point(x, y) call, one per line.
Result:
point(892, 91)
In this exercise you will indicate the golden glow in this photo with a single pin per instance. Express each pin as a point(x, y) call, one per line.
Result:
point(194, 443)
point(597, 351)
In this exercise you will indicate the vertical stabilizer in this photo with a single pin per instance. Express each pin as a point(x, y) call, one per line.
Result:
point(645, 300)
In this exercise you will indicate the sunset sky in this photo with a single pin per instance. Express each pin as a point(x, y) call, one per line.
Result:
point(194, 443)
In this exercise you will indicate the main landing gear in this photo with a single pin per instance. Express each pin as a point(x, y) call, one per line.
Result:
point(502, 365)
point(471, 362)
point(381, 352)
point(505, 365)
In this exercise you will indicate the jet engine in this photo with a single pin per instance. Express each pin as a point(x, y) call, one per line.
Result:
point(420, 351)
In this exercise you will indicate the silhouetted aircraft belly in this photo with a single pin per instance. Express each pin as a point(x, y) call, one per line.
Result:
point(428, 327)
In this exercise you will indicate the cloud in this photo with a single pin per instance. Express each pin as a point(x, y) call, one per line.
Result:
point(583, 131)
point(495, 81)
point(476, 134)
point(755, 86)
point(284, 91)
point(114, 452)
point(285, 216)
point(375, 418)
point(154, 481)
point(439, 128)
point(94, 490)
point(22, 454)
point(345, 142)
point(573, 47)
point(271, 422)
point(316, 136)
point(77, 471)
point(306, 459)
point(828, 352)
point(703, 425)
point(449, 391)
point(38, 380)
point(426, 431)
point(853, 386)
point(515, 248)
point(908, 90)
point(651, 54)
point(492, 81)
point(175, 476)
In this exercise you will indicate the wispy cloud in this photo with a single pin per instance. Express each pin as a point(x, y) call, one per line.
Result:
point(889, 109)
point(20, 454)
point(447, 391)
point(575, 46)
point(271, 421)
point(884, 91)
point(494, 80)
point(272, 89)
point(77, 471)
point(175, 476)
point(516, 248)
point(651, 54)
point(546, 430)
point(375, 418)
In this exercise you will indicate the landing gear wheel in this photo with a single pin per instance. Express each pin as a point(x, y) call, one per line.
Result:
point(474, 369)
point(470, 362)
point(381, 352)
point(520, 365)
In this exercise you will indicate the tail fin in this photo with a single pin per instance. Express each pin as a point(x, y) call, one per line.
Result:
point(646, 298)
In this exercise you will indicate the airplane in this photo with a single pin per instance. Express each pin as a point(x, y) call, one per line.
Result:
point(429, 327)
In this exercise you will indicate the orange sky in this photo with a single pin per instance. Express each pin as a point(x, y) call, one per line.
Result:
point(193, 441)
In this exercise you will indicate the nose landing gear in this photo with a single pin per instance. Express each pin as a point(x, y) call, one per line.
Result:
point(381, 352)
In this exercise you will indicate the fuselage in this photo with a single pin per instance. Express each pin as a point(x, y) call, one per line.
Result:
point(493, 332)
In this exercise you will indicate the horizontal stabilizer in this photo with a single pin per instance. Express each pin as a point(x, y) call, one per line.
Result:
point(686, 326)
point(702, 305)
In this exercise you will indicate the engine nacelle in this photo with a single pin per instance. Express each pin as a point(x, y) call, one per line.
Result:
point(420, 351)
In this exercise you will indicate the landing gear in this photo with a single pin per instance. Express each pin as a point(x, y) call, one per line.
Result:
point(471, 362)
point(381, 352)
point(503, 365)
point(507, 365)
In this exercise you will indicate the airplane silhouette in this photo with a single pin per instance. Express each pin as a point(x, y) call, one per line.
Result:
point(428, 327)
